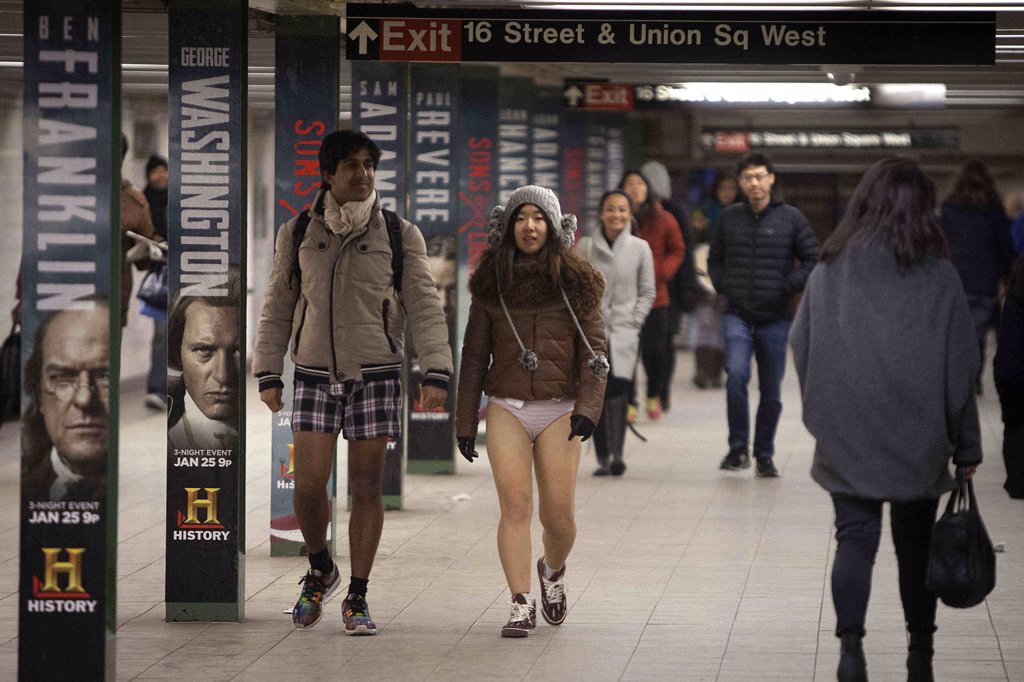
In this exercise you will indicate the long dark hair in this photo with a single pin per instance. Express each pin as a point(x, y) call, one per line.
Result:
point(975, 187)
point(550, 256)
point(894, 202)
point(642, 212)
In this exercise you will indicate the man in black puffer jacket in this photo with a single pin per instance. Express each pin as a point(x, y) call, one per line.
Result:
point(761, 255)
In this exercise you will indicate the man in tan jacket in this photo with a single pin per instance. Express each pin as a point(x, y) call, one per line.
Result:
point(345, 319)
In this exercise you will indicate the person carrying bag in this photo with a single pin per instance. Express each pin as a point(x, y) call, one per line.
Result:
point(889, 401)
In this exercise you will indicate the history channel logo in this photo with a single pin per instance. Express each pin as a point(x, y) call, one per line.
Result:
point(49, 595)
point(190, 527)
point(287, 472)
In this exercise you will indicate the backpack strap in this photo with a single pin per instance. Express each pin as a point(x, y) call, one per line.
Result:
point(298, 234)
point(394, 224)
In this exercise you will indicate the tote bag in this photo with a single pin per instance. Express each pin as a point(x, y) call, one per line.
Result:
point(153, 290)
point(961, 561)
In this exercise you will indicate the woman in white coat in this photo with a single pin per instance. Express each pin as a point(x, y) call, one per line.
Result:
point(628, 268)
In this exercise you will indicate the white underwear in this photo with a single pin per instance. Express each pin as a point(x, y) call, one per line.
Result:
point(535, 415)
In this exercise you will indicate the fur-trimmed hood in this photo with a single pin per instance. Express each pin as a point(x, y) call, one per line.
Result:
point(531, 289)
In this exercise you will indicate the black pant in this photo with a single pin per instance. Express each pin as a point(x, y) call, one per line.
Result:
point(858, 529)
point(1013, 456)
point(675, 315)
point(610, 434)
point(656, 353)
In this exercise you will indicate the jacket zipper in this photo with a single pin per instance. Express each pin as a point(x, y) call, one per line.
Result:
point(302, 323)
point(384, 314)
point(334, 277)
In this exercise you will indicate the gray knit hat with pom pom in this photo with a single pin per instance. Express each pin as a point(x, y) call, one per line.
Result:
point(563, 226)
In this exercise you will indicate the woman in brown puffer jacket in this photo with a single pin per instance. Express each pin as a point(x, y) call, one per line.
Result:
point(535, 344)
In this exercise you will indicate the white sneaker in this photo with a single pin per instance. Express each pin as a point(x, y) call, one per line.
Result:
point(155, 401)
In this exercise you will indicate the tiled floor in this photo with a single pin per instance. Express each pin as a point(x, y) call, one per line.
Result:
point(680, 572)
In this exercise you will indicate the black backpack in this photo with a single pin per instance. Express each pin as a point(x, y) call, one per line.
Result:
point(391, 219)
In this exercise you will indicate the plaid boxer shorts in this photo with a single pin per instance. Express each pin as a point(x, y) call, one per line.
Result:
point(360, 410)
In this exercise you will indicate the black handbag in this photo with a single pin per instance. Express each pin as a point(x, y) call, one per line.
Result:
point(10, 375)
point(961, 561)
point(153, 289)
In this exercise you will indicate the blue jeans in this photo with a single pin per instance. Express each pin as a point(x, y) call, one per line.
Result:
point(766, 342)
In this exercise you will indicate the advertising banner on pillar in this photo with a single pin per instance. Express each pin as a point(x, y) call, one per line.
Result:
point(573, 140)
point(515, 100)
point(433, 177)
point(476, 145)
point(206, 322)
point(71, 333)
point(380, 104)
point(545, 152)
point(597, 168)
point(615, 159)
point(305, 111)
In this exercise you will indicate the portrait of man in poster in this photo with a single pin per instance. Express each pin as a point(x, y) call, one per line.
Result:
point(203, 335)
point(65, 427)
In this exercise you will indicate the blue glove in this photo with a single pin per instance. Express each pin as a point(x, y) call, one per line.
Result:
point(580, 426)
point(467, 449)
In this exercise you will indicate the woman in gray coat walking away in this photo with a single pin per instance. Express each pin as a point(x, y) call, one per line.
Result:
point(887, 357)
point(628, 268)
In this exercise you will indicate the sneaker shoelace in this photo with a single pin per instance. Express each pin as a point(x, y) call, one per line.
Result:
point(553, 591)
point(357, 608)
point(520, 613)
point(312, 587)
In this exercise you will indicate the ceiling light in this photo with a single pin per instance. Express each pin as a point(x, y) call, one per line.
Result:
point(755, 93)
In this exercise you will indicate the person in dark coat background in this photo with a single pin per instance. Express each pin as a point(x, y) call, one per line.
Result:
point(761, 255)
point(980, 244)
point(1009, 376)
point(885, 350)
point(157, 177)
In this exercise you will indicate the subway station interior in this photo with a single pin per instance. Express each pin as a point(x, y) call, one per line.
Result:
point(680, 571)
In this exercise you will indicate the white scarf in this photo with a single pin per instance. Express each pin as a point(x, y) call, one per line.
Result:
point(340, 219)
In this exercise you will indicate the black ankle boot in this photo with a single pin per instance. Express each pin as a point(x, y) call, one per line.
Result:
point(852, 666)
point(919, 658)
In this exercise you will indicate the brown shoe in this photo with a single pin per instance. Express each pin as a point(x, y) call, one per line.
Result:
point(552, 595)
point(523, 618)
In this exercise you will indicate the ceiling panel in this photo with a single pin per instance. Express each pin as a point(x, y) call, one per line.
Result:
point(985, 87)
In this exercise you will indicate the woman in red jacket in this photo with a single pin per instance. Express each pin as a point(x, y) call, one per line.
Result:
point(661, 231)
